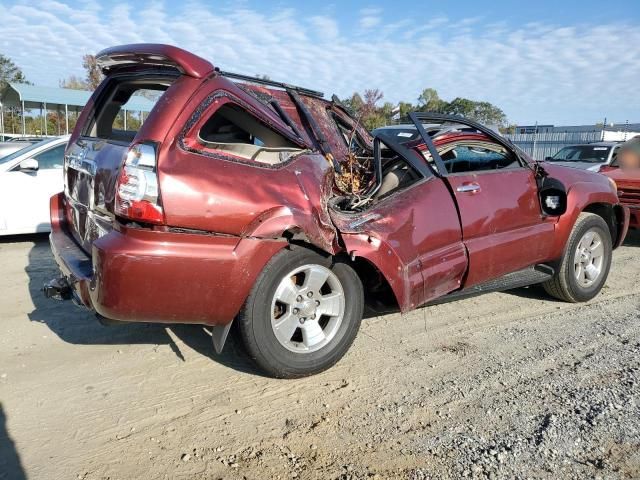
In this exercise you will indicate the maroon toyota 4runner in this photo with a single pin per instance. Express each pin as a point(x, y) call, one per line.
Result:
point(246, 200)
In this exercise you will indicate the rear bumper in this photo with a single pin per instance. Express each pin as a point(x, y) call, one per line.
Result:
point(138, 275)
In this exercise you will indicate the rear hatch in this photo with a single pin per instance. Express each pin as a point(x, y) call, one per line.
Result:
point(139, 78)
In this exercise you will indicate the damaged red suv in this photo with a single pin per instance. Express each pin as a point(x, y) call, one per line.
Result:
point(264, 204)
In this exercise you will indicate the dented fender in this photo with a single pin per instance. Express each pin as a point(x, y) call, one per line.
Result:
point(308, 222)
point(384, 258)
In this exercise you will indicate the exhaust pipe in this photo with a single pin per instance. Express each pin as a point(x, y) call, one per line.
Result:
point(58, 289)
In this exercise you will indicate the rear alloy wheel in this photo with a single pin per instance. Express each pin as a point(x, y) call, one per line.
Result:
point(302, 314)
point(585, 265)
point(307, 308)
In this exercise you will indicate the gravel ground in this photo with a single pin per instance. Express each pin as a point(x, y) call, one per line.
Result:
point(507, 385)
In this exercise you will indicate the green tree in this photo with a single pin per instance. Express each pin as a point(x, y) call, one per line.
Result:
point(10, 72)
point(73, 82)
point(489, 114)
point(365, 108)
point(460, 106)
point(354, 104)
point(93, 72)
point(429, 101)
point(406, 108)
point(92, 77)
point(483, 112)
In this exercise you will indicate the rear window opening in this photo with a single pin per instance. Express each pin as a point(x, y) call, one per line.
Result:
point(123, 108)
point(234, 131)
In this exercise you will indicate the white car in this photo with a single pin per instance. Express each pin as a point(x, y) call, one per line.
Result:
point(28, 178)
point(588, 156)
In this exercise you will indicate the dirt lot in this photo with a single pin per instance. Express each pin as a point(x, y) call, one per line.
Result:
point(508, 385)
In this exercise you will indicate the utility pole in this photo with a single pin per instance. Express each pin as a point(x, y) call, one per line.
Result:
point(626, 129)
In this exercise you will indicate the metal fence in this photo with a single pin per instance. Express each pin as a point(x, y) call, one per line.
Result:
point(546, 144)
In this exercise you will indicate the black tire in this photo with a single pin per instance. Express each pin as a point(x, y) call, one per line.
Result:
point(254, 320)
point(564, 284)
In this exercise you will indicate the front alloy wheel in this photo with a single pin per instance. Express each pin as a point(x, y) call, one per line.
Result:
point(589, 259)
point(585, 264)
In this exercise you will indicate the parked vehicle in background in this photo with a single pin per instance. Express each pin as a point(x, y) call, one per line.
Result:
point(407, 132)
point(9, 147)
point(626, 173)
point(247, 199)
point(402, 133)
point(25, 138)
point(28, 178)
point(590, 156)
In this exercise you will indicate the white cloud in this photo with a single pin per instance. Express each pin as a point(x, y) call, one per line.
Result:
point(550, 73)
point(326, 27)
point(370, 17)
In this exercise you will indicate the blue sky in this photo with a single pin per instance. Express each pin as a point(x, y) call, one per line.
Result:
point(568, 62)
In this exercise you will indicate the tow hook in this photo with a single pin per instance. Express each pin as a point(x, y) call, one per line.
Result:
point(57, 289)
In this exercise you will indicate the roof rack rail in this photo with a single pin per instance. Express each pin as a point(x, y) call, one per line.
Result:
point(262, 81)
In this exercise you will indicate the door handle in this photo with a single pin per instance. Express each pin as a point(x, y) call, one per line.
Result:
point(468, 188)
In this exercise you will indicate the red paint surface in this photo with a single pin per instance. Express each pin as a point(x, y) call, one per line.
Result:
point(628, 182)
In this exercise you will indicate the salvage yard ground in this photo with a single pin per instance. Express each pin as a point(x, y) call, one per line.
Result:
point(504, 385)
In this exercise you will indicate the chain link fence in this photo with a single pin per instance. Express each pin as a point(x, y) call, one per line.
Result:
point(542, 144)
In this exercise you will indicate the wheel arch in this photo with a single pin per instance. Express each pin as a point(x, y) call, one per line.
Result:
point(373, 253)
point(374, 282)
point(605, 211)
point(283, 222)
point(583, 197)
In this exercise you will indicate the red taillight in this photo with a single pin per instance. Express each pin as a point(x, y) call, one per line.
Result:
point(606, 168)
point(137, 190)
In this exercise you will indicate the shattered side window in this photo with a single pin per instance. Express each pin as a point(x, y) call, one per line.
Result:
point(474, 156)
point(349, 134)
point(231, 130)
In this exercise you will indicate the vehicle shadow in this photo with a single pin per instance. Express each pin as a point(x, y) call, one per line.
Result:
point(533, 292)
point(81, 327)
point(632, 239)
point(10, 464)
point(536, 292)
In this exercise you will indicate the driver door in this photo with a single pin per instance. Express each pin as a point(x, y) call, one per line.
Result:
point(502, 223)
point(503, 227)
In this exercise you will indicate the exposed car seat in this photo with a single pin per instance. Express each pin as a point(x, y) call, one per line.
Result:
point(239, 133)
point(396, 175)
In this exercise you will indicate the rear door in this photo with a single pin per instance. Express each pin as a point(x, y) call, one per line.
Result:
point(145, 89)
point(123, 104)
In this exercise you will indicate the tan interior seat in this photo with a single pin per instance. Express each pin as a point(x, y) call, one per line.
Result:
point(257, 153)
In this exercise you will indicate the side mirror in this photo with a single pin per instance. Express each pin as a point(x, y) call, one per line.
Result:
point(548, 159)
point(29, 165)
point(553, 196)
